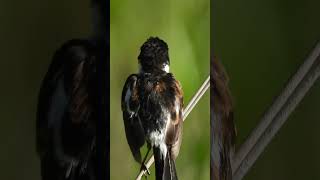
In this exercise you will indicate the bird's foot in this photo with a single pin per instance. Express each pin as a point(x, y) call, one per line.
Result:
point(72, 163)
point(83, 167)
point(145, 169)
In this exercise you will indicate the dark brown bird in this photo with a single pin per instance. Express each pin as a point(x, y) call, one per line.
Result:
point(223, 132)
point(152, 105)
point(66, 114)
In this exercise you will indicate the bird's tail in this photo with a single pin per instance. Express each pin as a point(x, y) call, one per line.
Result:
point(165, 166)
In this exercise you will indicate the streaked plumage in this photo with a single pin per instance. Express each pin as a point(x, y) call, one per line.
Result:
point(152, 105)
point(222, 125)
point(66, 115)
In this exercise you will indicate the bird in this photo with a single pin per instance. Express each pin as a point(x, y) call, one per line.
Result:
point(223, 130)
point(152, 106)
point(66, 114)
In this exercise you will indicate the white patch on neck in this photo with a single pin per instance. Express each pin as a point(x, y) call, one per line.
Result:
point(166, 68)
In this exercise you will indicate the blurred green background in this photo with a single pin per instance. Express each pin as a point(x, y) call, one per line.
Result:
point(30, 33)
point(185, 26)
point(262, 43)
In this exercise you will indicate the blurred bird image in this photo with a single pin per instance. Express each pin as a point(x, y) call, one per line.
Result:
point(152, 105)
point(223, 132)
point(66, 114)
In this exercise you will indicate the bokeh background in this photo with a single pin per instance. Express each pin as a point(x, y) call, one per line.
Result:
point(185, 26)
point(262, 43)
point(30, 33)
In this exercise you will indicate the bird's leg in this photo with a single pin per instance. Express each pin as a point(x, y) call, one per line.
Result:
point(72, 163)
point(83, 167)
point(86, 160)
point(143, 166)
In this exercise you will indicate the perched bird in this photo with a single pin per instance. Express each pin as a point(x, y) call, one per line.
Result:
point(66, 114)
point(223, 132)
point(152, 105)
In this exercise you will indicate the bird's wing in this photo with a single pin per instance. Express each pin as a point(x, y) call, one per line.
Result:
point(133, 127)
point(222, 124)
point(53, 98)
point(174, 127)
point(47, 92)
point(53, 102)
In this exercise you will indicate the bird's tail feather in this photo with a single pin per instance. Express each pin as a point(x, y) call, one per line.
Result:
point(170, 172)
point(159, 162)
point(165, 166)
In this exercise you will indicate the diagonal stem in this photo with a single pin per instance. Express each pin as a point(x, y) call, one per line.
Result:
point(277, 114)
point(195, 99)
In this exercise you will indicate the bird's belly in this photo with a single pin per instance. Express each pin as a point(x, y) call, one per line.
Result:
point(157, 139)
point(154, 129)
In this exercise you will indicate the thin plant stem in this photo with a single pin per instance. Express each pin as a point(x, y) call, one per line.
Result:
point(277, 114)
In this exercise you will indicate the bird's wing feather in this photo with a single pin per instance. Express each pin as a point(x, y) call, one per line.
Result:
point(53, 98)
point(132, 124)
point(53, 102)
point(47, 91)
point(174, 129)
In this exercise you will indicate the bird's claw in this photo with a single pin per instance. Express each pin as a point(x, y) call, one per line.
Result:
point(83, 167)
point(145, 169)
point(72, 163)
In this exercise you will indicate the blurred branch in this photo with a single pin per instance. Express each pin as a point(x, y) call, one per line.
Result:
point(195, 99)
point(277, 114)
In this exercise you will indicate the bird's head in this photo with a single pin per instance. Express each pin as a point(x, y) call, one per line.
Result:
point(154, 56)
